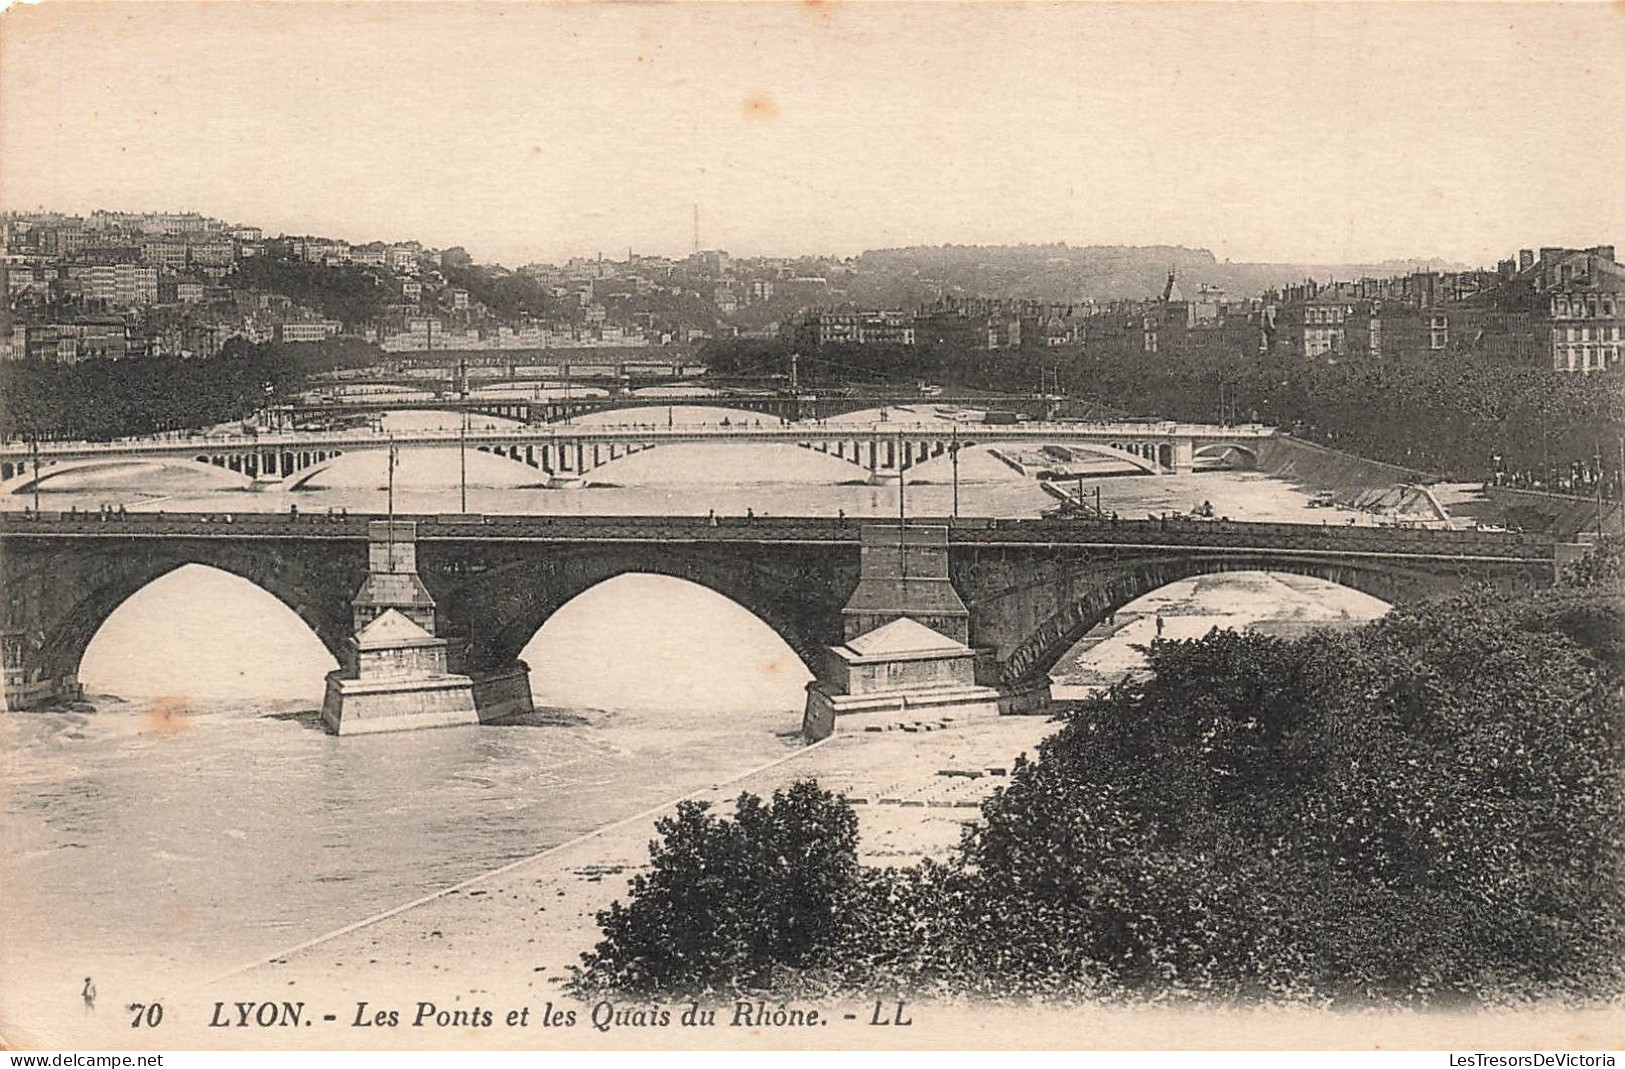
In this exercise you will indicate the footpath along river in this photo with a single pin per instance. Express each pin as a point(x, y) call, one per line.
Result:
point(201, 818)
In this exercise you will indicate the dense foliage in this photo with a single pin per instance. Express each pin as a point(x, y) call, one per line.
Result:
point(103, 399)
point(351, 295)
point(735, 903)
point(1453, 416)
point(1426, 810)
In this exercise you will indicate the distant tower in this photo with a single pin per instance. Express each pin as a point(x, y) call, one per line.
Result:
point(1170, 292)
point(696, 229)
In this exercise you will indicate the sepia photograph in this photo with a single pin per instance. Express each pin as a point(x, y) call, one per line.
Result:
point(813, 525)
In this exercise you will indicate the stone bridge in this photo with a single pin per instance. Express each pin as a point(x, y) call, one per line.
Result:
point(1021, 593)
point(881, 450)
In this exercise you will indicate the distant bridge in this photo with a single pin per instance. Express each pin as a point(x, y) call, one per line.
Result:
point(514, 363)
point(437, 379)
point(1030, 589)
point(882, 450)
point(784, 406)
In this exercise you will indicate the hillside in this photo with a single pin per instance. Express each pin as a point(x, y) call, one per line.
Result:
point(905, 276)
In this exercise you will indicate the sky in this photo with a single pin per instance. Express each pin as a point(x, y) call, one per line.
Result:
point(1330, 133)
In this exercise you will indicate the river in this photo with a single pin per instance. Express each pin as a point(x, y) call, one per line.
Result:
point(193, 816)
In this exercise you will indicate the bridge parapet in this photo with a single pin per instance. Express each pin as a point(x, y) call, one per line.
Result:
point(882, 429)
point(961, 531)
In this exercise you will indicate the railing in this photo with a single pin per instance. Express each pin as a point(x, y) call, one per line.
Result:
point(891, 429)
point(1170, 533)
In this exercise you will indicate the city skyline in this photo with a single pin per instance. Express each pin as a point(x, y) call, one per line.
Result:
point(545, 132)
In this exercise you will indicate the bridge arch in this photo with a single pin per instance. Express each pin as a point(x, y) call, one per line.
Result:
point(198, 630)
point(793, 595)
point(1129, 453)
point(68, 595)
point(318, 463)
point(509, 413)
point(556, 410)
point(573, 457)
point(1085, 592)
point(1217, 450)
point(639, 640)
point(618, 412)
point(24, 480)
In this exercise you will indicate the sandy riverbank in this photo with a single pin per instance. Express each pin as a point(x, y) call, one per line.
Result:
point(517, 931)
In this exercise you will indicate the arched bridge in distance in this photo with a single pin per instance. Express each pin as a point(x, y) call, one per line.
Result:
point(553, 409)
point(882, 450)
point(1030, 588)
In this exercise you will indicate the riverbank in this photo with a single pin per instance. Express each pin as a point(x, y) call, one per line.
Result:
point(914, 784)
point(508, 937)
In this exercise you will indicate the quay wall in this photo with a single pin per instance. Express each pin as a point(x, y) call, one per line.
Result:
point(1317, 467)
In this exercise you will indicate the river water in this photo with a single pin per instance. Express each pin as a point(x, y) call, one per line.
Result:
point(193, 816)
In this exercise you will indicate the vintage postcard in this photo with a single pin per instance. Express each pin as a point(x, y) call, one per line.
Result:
point(812, 525)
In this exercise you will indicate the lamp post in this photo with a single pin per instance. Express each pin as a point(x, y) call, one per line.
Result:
point(33, 448)
point(1597, 485)
point(391, 541)
point(902, 509)
point(462, 437)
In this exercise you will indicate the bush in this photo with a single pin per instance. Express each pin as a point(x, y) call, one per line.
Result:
point(731, 904)
point(1425, 810)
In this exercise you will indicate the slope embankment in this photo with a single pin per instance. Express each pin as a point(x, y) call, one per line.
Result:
point(1315, 467)
point(1353, 482)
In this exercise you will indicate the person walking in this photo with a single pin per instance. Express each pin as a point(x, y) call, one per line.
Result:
point(88, 993)
point(1159, 625)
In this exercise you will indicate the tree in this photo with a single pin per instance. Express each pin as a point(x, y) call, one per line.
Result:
point(732, 904)
point(1427, 809)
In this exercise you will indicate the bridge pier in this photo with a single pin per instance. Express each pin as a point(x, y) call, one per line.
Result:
point(396, 674)
point(556, 460)
point(29, 683)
